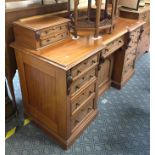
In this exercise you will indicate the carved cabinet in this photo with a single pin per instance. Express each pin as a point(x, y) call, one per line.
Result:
point(125, 58)
point(143, 14)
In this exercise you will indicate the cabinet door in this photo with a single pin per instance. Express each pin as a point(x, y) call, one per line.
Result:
point(104, 74)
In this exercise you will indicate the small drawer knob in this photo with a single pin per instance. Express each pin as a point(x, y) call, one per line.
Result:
point(120, 41)
point(93, 61)
point(83, 78)
point(89, 109)
point(78, 72)
point(77, 87)
point(77, 104)
point(76, 121)
point(90, 76)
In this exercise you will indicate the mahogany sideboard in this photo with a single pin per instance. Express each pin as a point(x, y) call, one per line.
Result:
point(61, 84)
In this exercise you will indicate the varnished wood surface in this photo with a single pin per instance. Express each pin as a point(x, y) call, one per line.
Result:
point(40, 22)
point(71, 52)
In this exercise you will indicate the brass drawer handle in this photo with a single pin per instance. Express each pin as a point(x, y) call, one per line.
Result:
point(93, 61)
point(120, 41)
point(83, 78)
point(76, 121)
point(77, 105)
point(89, 109)
point(78, 72)
point(91, 76)
point(76, 87)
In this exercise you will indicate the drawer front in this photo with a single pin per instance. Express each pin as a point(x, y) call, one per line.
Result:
point(45, 33)
point(53, 39)
point(83, 66)
point(82, 80)
point(113, 46)
point(82, 97)
point(79, 117)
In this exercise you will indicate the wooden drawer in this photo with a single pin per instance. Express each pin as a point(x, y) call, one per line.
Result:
point(46, 33)
point(83, 66)
point(38, 32)
point(80, 100)
point(82, 80)
point(78, 118)
point(113, 46)
point(53, 39)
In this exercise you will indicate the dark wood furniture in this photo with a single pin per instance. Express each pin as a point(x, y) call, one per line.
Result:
point(61, 84)
point(143, 13)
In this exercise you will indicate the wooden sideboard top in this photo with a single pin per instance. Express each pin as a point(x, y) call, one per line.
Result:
point(71, 52)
